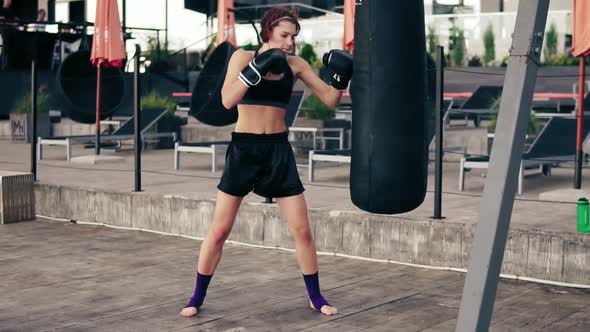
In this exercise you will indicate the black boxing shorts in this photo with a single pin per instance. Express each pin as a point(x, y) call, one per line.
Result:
point(262, 163)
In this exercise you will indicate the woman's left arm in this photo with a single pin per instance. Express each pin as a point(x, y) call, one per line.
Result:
point(327, 94)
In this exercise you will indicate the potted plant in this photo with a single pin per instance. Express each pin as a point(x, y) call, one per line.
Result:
point(314, 113)
point(308, 54)
point(21, 118)
point(457, 47)
point(432, 39)
point(314, 109)
point(489, 45)
point(158, 55)
point(170, 122)
point(532, 128)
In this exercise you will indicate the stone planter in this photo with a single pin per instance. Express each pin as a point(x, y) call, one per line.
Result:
point(21, 126)
point(5, 129)
point(17, 197)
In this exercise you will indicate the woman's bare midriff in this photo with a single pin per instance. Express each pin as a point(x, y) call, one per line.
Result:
point(259, 119)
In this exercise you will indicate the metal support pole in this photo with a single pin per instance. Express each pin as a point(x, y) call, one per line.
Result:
point(166, 35)
point(59, 38)
point(98, 85)
point(51, 10)
point(186, 74)
point(124, 23)
point(496, 205)
point(85, 29)
point(34, 113)
point(580, 124)
point(3, 57)
point(158, 47)
point(137, 144)
point(438, 122)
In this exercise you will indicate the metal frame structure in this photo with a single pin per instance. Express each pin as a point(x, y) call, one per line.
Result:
point(206, 147)
point(67, 141)
point(481, 283)
point(318, 155)
point(537, 164)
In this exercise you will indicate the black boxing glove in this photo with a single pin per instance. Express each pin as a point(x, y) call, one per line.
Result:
point(339, 65)
point(273, 60)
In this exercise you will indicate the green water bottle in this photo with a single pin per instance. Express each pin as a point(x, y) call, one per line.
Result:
point(583, 216)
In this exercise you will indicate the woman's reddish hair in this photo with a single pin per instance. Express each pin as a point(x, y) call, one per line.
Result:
point(271, 19)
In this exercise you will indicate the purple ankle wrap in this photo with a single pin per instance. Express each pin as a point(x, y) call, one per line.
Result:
point(312, 282)
point(200, 290)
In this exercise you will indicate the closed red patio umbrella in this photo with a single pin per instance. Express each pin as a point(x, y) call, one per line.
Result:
point(348, 38)
point(226, 22)
point(581, 49)
point(108, 47)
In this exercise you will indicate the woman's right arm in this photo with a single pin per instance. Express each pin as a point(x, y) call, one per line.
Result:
point(233, 89)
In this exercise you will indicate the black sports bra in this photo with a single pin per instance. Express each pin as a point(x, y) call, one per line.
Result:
point(270, 92)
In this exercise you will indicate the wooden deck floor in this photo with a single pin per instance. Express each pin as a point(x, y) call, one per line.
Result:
point(63, 276)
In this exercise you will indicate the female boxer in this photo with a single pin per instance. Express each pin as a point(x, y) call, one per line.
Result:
point(260, 158)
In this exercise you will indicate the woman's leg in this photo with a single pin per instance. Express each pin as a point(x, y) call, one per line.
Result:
point(294, 209)
point(226, 208)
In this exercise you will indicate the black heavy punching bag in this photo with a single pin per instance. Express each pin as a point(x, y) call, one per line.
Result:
point(389, 149)
point(206, 105)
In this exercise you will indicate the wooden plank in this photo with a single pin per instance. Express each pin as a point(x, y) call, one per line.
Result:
point(415, 314)
point(80, 277)
point(576, 322)
point(538, 312)
point(448, 325)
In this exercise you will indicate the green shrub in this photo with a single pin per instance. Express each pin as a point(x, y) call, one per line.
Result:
point(317, 64)
point(308, 54)
point(432, 38)
point(23, 104)
point(564, 59)
point(474, 61)
point(154, 100)
point(447, 59)
point(504, 61)
point(316, 109)
point(457, 45)
point(533, 124)
point(249, 47)
point(157, 52)
point(489, 44)
point(551, 41)
point(572, 60)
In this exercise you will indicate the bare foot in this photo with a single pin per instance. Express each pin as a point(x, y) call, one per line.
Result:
point(188, 311)
point(326, 309)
